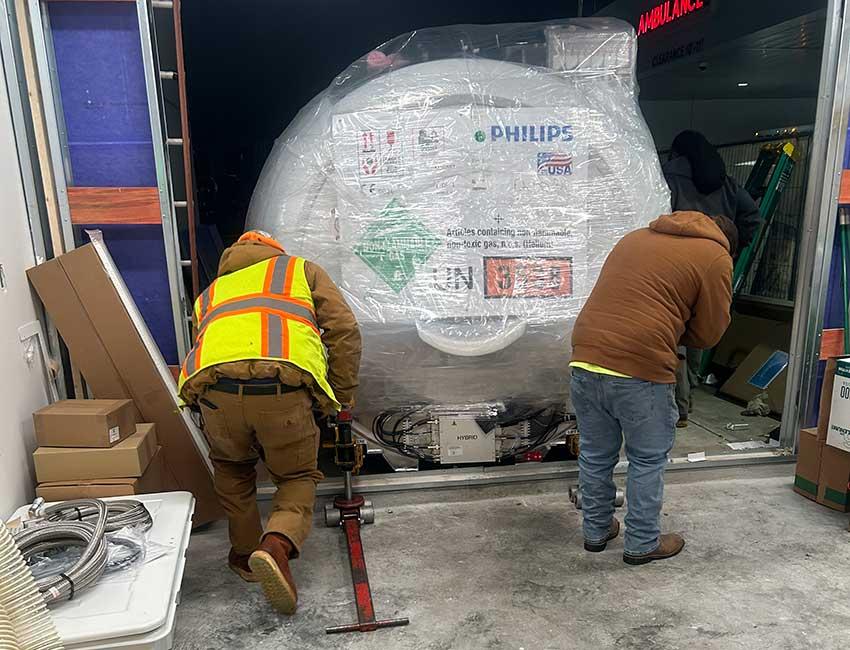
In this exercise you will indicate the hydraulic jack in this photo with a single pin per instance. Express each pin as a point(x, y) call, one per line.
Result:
point(350, 511)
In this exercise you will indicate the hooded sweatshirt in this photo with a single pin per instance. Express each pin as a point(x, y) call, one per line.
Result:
point(727, 199)
point(663, 286)
point(340, 336)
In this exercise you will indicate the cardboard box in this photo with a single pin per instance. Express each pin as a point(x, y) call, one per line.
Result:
point(745, 333)
point(155, 479)
point(833, 490)
point(109, 351)
point(85, 423)
point(738, 385)
point(826, 397)
point(807, 474)
point(129, 458)
point(838, 431)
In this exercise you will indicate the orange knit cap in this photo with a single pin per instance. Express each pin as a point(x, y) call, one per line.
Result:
point(263, 238)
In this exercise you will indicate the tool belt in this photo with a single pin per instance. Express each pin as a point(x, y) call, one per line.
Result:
point(252, 386)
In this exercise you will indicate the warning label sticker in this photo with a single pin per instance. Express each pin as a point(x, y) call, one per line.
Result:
point(528, 277)
point(395, 245)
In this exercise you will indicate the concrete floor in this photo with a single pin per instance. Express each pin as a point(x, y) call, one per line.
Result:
point(706, 430)
point(503, 567)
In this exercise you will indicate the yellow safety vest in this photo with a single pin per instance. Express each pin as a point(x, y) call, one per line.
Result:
point(264, 311)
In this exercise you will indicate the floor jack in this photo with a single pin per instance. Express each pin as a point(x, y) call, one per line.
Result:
point(350, 511)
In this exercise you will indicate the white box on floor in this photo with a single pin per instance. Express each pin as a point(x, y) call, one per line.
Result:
point(838, 434)
point(136, 615)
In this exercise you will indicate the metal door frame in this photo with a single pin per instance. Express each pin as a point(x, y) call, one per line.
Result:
point(819, 218)
point(817, 233)
point(57, 137)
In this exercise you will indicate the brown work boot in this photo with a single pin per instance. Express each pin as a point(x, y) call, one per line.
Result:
point(669, 545)
point(270, 565)
point(598, 547)
point(238, 563)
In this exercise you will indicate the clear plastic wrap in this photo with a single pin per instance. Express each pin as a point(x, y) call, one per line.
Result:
point(127, 548)
point(463, 186)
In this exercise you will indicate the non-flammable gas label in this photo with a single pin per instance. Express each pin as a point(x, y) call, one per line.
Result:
point(395, 245)
point(528, 277)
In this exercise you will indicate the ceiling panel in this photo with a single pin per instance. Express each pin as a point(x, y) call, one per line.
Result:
point(781, 61)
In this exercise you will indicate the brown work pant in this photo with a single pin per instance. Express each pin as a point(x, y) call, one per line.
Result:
point(281, 428)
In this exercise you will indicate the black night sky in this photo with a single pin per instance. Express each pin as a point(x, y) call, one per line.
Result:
point(251, 65)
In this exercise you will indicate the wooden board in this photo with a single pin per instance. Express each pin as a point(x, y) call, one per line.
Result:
point(832, 343)
point(114, 205)
point(48, 181)
point(844, 192)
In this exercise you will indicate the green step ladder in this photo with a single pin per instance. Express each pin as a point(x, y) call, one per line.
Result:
point(767, 180)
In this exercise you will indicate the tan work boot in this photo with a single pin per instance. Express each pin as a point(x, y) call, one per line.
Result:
point(238, 563)
point(669, 545)
point(270, 564)
point(598, 547)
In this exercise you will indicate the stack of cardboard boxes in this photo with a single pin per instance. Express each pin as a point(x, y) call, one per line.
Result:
point(95, 448)
point(111, 348)
point(823, 460)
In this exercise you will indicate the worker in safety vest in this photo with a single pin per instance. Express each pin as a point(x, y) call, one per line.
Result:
point(275, 339)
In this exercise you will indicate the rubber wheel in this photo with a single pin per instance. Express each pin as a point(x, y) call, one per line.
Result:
point(367, 513)
point(332, 517)
point(620, 499)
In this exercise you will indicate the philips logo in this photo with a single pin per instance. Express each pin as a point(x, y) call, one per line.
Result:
point(531, 133)
point(470, 436)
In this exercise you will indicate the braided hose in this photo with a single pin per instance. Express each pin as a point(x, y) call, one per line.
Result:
point(119, 514)
point(25, 622)
point(59, 534)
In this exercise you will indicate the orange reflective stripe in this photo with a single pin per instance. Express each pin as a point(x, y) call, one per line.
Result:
point(205, 301)
point(286, 339)
point(277, 297)
point(290, 275)
point(267, 283)
point(190, 365)
point(265, 304)
point(286, 315)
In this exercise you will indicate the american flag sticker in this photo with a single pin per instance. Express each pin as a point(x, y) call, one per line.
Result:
point(554, 164)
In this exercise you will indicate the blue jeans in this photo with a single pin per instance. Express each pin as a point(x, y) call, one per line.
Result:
point(610, 409)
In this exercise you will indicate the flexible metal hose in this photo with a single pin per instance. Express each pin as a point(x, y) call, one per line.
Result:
point(56, 534)
point(119, 514)
point(83, 523)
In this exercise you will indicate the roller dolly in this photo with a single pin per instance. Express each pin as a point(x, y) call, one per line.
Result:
point(351, 511)
point(575, 497)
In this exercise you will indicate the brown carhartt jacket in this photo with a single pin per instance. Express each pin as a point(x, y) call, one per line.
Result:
point(663, 286)
point(340, 335)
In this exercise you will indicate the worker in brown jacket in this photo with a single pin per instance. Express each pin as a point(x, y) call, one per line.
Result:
point(275, 340)
point(661, 287)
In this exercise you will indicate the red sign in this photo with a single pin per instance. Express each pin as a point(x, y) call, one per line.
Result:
point(666, 13)
point(528, 277)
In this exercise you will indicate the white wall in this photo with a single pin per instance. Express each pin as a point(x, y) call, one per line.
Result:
point(724, 120)
point(22, 388)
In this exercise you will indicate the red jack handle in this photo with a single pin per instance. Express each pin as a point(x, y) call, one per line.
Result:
point(362, 591)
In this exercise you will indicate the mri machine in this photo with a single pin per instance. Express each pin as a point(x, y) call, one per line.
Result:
point(463, 186)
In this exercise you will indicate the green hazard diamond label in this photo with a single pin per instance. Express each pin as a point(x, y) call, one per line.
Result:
point(395, 245)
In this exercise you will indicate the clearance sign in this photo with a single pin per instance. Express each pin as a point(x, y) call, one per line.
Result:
point(667, 12)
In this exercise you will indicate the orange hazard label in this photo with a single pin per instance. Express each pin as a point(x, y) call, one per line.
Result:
point(528, 277)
